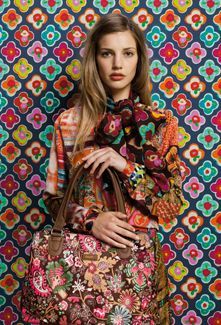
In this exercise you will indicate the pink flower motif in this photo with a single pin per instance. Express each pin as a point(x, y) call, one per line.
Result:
point(10, 52)
point(7, 316)
point(37, 51)
point(194, 187)
point(9, 251)
point(217, 53)
point(215, 254)
point(216, 120)
point(215, 319)
point(169, 53)
point(195, 120)
point(36, 118)
point(193, 254)
point(36, 185)
point(191, 318)
point(216, 188)
point(10, 118)
point(63, 52)
point(196, 53)
point(168, 253)
point(9, 185)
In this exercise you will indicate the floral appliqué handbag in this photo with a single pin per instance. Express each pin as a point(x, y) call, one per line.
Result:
point(73, 278)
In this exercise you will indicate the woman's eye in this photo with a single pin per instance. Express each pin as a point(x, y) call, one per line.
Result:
point(129, 53)
point(105, 54)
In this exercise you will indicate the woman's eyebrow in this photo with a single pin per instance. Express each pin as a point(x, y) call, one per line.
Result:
point(126, 48)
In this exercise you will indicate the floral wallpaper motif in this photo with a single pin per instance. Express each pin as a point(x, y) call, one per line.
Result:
point(41, 46)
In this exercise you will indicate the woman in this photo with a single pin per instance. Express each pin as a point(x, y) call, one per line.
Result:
point(113, 125)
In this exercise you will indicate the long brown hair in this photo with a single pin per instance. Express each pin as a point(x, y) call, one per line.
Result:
point(93, 96)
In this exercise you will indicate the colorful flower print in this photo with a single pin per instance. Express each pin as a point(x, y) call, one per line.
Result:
point(8, 250)
point(9, 284)
point(9, 118)
point(50, 35)
point(4, 5)
point(216, 255)
point(208, 104)
point(24, 35)
point(21, 201)
point(23, 5)
point(120, 315)
point(209, 36)
point(194, 154)
point(169, 87)
point(3, 167)
point(157, 6)
point(182, 36)
point(10, 52)
point(195, 87)
point(215, 319)
point(205, 305)
point(157, 102)
point(35, 218)
point(181, 104)
point(168, 53)
point(194, 187)
point(216, 222)
point(16, 301)
point(196, 19)
point(22, 169)
point(207, 205)
point(3, 136)
point(9, 218)
point(19, 267)
point(143, 19)
point(192, 254)
point(77, 5)
point(10, 85)
point(22, 135)
point(104, 5)
point(36, 85)
point(47, 135)
point(36, 185)
point(208, 138)
point(216, 120)
point(64, 19)
point(170, 19)
point(191, 287)
point(215, 288)
point(182, 6)
point(37, 51)
point(3, 269)
point(50, 69)
point(178, 305)
point(37, 18)
point(178, 271)
point(167, 225)
point(195, 52)
point(89, 18)
point(22, 68)
point(3, 102)
point(183, 137)
point(216, 154)
point(191, 318)
point(63, 52)
point(43, 168)
point(206, 238)
point(35, 152)
point(2, 235)
point(74, 69)
point(157, 71)
point(207, 171)
point(9, 185)
point(51, 6)
point(4, 68)
point(179, 238)
point(209, 7)
point(181, 70)
point(209, 71)
point(63, 86)
point(22, 235)
point(217, 53)
point(3, 202)
point(129, 5)
point(76, 36)
point(10, 151)
point(11, 19)
point(168, 253)
point(195, 120)
point(7, 316)
point(155, 37)
point(36, 118)
point(49, 102)
point(23, 102)
point(217, 87)
point(129, 300)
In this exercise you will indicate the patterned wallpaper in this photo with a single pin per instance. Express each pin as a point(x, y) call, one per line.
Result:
point(41, 45)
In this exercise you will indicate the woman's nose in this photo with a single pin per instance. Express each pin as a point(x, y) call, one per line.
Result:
point(117, 61)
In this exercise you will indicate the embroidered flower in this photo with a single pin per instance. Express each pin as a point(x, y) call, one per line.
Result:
point(181, 104)
point(195, 19)
point(169, 19)
point(195, 87)
point(182, 36)
point(205, 305)
point(8, 250)
point(9, 218)
point(64, 19)
point(36, 118)
point(206, 238)
point(120, 315)
point(178, 305)
point(10, 85)
point(36, 85)
point(215, 288)
point(194, 154)
point(169, 87)
point(11, 19)
point(21, 235)
point(155, 37)
point(50, 35)
point(191, 318)
point(178, 271)
point(74, 69)
point(22, 135)
point(21, 201)
point(37, 18)
point(191, 287)
point(10, 151)
point(129, 300)
point(192, 254)
point(22, 169)
point(207, 205)
point(142, 19)
point(35, 151)
point(209, 36)
point(23, 102)
point(63, 86)
point(9, 185)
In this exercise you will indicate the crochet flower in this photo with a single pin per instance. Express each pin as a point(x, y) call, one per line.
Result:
point(195, 87)
point(155, 37)
point(157, 71)
point(37, 18)
point(21, 201)
point(9, 185)
point(143, 19)
point(209, 36)
point(195, 52)
point(10, 151)
point(11, 19)
point(74, 69)
point(63, 86)
point(195, 120)
point(36, 185)
point(196, 19)
point(77, 5)
point(205, 305)
point(192, 254)
point(21, 235)
point(215, 288)
point(216, 120)
point(207, 205)
point(168, 53)
point(36, 118)
point(89, 18)
point(23, 102)
point(3, 102)
point(51, 6)
point(182, 36)
point(47, 135)
point(209, 71)
point(9, 284)
point(3, 202)
point(76, 36)
point(22, 169)
point(207, 171)
point(216, 154)
point(19, 267)
point(178, 271)
point(7, 316)
point(43, 168)
point(8, 250)
point(191, 287)
point(194, 154)
point(3, 269)
point(181, 70)
point(10, 85)
point(23, 68)
point(169, 19)
point(24, 35)
point(169, 87)
point(4, 5)
point(215, 318)
point(217, 87)
point(64, 19)
point(63, 52)
point(179, 238)
point(181, 104)
point(194, 187)
point(209, 7)
point(183, 137)
point(35, 151)
point(49, 102)
point(216, 222)
point(37, 51)
point(104, 6)
point(4, 68)
point(3, 167)
point(36, 85)
point(50, 35)
point(216, 255)
point(35, 218)
point(217, 53)
point(10, 52)
point(182, 6)
point(168, 253)
point(208, 138)
point(206, 238)
point(157, 6)
point(191, 318)
point(22, 135)
point(216, 188)
point(129, 5)
point(178, 305)
point(9, 218)
point(9, 118)
point(50, 69)
point(208, 104)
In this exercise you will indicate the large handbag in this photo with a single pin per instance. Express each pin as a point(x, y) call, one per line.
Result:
point(73, 278)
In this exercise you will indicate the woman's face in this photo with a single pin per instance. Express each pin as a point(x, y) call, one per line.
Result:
point(117, 62)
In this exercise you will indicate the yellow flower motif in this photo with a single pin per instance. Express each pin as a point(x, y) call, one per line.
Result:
point(22, 68)
point(129, 5)
point(183, 5)
point(76, 7)
point(183, 137)
point(21, 201)
point(23, 5)
point(178, 271)
point(74, 69)
point(181, 70)
point(22, 135)
point(184, 207)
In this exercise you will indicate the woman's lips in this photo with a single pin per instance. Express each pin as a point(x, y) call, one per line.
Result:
point(117, 77)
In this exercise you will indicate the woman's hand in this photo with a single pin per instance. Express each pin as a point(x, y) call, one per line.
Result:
point(106, 157)
point(112, 228)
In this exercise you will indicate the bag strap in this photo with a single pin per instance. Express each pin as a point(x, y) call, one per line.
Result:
point(56, 237)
